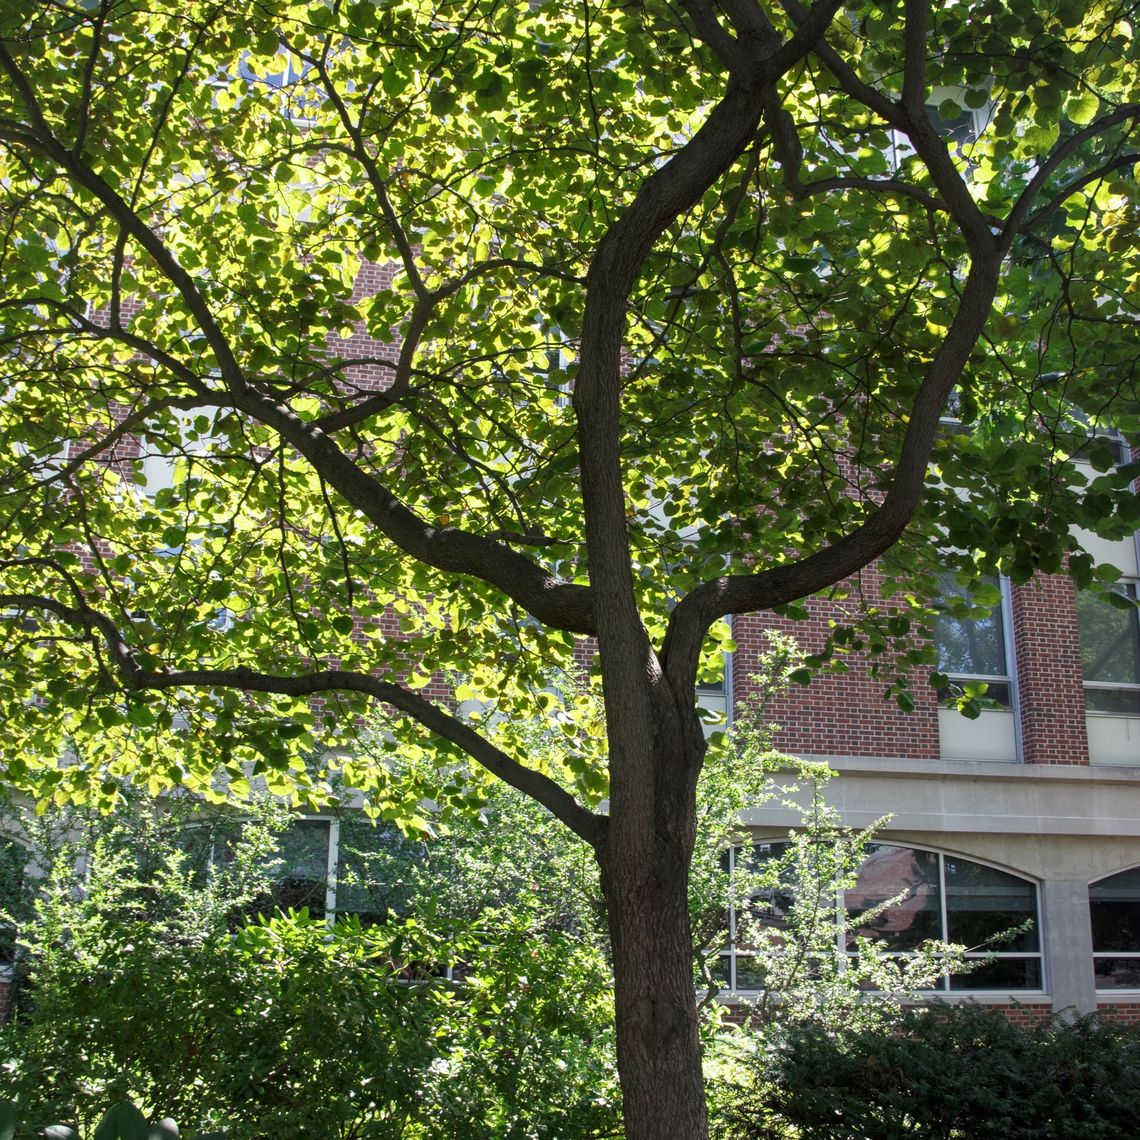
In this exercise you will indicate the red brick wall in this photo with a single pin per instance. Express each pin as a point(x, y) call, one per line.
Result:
point(846, 715)
point(1124, 1012)
point(1050, 690)
point(836, 715)
point(372, 376)
point(1024, 1016)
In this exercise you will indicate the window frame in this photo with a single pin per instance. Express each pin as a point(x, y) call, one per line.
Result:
point(945, 989)
point(1104, 955)
point(1132, 585)
point(1004, 610)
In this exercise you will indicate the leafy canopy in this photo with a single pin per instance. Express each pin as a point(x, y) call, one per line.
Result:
point(329, 263)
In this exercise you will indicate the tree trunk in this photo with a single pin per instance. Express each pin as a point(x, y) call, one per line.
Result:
point(658, 1044)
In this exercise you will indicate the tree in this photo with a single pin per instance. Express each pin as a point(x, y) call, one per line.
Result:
point(658, 310)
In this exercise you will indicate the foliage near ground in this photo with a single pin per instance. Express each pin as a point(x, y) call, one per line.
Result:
point(150, 976)
point(960, 1072)
point(147, 980)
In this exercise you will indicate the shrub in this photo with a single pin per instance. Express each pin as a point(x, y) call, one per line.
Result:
point(960, 1072)
point(150, 982)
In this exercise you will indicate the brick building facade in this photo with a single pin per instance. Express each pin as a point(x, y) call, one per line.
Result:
point(1037, 802)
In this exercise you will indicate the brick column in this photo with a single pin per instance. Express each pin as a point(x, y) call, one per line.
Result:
point(1050, 689)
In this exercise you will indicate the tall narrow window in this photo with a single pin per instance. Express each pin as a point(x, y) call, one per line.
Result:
point(303, 878)
point(969, 635)
point(1110, 652)
point(764, 912)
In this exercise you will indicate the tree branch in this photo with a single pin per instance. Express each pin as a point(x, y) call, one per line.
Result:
point(912, 121)
point(1058, 155)
point(134, 678)
point(558, 603)
point(914, 61)
point(84, 175)
point(745, 593)
point(1054, 203)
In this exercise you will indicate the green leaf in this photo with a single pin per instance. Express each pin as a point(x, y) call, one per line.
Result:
point(122, 1122)
point(1120, 601)
point(948, 110)
point(1082, 108)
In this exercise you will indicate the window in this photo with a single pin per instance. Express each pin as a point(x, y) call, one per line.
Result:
point(767, 910)
point(329, 866)
point(1114, 909)
point(1103, 447)
point(306, 876)
point(970, 638)
point(958, 129)
point(992, 913)
point(714, 703)
point(1110, 651)
point(950, 113)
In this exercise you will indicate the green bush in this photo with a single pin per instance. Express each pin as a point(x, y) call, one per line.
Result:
point(148, 982)
point(955, 1072)
point(122, 1121)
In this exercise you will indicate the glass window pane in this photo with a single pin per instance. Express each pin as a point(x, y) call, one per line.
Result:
point(1114, 907)
point(765, 909)
point(968, 645)
point(302, 874)
point(899, 873)
point(1000, 974)
point(1122, 702)
point(959, 128)
point(749, 976)
point(720, 971)
point(983, 905)
point(1110, 640)
point(1117, 973)
point(375, 869)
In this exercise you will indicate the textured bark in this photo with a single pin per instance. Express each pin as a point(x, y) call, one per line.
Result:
point(645, 858)
point(658, 1044)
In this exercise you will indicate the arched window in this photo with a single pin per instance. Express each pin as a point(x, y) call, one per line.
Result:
point(992, 913)
point(939, 897)
point(1114, 909)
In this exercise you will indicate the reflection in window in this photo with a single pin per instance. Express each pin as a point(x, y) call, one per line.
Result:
point(992, 913)
point(1110, 652)
point(328, 866)
point(303, 876)
point(969, 636)
point(1114, 909)
point(765, 911)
